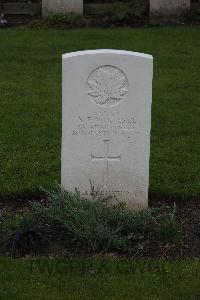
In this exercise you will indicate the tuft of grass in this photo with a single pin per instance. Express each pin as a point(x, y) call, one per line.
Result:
point(68, 221)
point(169, 229)
point(92, 222)
point(22, 235)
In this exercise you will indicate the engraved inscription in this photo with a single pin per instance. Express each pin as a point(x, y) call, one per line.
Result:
point(108, 86)
point(104, 124)
point(106, 158)
point(117, 193)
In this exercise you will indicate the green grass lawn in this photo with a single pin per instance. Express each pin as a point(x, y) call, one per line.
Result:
point(30, 97)
point(99, 280)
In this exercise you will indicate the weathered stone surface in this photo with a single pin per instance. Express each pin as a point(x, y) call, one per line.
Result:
point(168, 7)
point(61, 6)
point(106, 121)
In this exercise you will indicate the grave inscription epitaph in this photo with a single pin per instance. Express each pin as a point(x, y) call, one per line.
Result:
point(106, 122)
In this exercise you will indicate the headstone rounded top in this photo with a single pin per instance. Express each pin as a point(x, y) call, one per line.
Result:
point(106, 51)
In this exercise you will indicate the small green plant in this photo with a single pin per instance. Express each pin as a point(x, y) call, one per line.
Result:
point(120, 12)
point(169, 229)
point(138, 8)
point(65, 19)
point(128, 11)
point(22, 235)
point(92, 222)
point(193, 15)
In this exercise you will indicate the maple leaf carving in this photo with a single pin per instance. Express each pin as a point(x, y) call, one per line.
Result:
point(108, 85)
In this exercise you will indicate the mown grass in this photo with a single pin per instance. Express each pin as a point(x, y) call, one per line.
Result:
point(30, 97)
point(98, 279)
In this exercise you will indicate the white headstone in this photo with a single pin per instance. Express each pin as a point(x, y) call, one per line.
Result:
point(106, 121)
point(168, 7)
point(61, 6)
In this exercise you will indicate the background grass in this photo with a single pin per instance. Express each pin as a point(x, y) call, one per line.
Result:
point(99, 279)
point(30, 97)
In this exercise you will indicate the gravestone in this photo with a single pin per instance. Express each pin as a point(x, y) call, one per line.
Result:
point(106, 120)
point(61, 6)
point(169, 7)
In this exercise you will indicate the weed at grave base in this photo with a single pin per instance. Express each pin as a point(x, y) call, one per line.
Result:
point(67, 223)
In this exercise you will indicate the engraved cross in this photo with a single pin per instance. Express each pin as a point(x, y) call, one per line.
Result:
point(106, 158)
